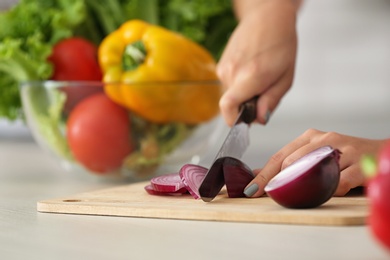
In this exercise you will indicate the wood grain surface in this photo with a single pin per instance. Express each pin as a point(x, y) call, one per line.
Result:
point(132, 201)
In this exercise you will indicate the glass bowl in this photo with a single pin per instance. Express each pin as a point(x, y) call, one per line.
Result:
point(131, 130)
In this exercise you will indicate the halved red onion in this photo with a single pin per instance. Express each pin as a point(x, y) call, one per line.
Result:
point(237, 175)
point(167, 183)
point(308, 182)
point(149, 189)
point(192, 176)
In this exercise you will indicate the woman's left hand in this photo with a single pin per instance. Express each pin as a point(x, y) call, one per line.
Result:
point(351, 148)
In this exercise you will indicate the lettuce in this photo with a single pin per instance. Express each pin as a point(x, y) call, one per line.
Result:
point(206, 22)
point(45, 106)
point(29, 30)
point(27, 35)
point(18, 65)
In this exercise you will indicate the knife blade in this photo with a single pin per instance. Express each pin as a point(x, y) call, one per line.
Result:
point(234, 145)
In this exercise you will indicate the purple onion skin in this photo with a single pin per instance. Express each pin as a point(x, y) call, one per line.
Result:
point(237, 175)
point(312, 188)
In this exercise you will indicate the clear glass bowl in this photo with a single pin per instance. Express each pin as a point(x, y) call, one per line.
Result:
point(170, 125)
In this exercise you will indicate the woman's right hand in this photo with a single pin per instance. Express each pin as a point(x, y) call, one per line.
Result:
point(259, 58)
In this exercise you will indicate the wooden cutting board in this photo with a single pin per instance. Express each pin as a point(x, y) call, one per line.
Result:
point(133, 201)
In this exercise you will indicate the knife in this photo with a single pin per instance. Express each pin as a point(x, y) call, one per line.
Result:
point(234, 145)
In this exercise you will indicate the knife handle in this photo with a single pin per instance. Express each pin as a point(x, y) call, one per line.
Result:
point(249, 110)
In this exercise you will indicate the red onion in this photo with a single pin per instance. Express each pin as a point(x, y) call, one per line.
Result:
point(308, 182)
point(149, 189)
point(192, 176)
point(167, 183)
point(237, 175)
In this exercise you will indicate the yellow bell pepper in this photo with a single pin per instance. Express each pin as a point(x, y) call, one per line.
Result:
point(139, 52)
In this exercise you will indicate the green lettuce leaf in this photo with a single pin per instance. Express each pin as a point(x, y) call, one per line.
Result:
point(44, 106)
point(28, 32)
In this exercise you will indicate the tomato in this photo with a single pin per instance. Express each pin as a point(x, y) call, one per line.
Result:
point(379, 219)
point(384, 159)
point(378, 192)
point(98, 132)
point(75, 59)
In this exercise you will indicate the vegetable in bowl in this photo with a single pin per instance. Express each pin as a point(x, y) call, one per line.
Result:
point(154, 58)
point(102, 137)
point(32, 57)
point(28, 35)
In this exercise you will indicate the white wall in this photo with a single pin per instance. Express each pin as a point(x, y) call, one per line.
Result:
point(5, 4)
point(343, 65)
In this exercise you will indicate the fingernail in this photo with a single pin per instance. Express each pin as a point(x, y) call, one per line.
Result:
point(251, 190)
point(267, 116)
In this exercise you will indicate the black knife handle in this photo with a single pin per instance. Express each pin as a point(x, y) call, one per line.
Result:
point(249, 112)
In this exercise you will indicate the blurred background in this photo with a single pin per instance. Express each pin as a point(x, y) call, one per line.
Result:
point(343, 59)
point(4, 4)
point(342, 80)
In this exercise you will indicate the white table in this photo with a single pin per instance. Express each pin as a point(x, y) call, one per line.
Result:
point(342, 85)
point(27, 175)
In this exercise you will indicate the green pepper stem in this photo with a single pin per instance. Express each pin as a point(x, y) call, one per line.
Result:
point(368, 165)
point(133, 56)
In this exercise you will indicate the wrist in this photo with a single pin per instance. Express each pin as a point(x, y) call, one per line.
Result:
point(243, 7)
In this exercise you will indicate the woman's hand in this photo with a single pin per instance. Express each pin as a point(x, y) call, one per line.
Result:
point(259, 58)
point(352, 149)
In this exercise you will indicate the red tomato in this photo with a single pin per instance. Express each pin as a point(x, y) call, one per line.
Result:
point(378, 191)
point(75, 59)
point(379, 218)
point(384, 159)
point(98, 132)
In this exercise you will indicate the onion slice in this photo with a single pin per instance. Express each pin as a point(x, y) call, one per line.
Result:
point(237, 175)
point(192, 176)
point(167, 183)
point(308, 182)
point(149, 189)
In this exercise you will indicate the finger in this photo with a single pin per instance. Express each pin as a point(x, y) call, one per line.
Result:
point(304, 149)
point(350, 154)
point(256, 171)
point(258, 76)
point(351, 177)
point(226, 69)
point(229, 105)
point(252, 79)
point(230, 102)
point(269, 100)
point(256, 187)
